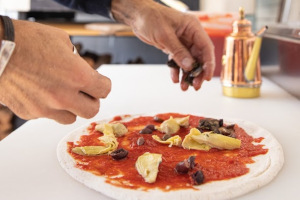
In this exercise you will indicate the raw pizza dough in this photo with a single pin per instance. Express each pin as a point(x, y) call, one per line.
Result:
point(265, 168)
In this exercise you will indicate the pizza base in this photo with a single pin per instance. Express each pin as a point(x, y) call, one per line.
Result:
point(264, 170)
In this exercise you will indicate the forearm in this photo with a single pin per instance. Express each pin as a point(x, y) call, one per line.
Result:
point(128, 11)
point(100, 7)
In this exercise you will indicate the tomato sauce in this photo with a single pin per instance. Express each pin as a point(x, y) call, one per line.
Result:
point(215, 164)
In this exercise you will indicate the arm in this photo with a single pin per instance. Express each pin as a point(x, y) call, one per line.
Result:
point(44, 78)
point(178, 34)
point(101, 7)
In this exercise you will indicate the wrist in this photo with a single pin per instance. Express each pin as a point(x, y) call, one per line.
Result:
point(127, 11)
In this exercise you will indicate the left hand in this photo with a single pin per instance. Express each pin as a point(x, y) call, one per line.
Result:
point(178, 34)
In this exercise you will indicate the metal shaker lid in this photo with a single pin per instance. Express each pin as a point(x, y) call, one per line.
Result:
point(242, 26)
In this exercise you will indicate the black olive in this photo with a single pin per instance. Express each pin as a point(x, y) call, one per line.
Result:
point(166, 136)
point(182, 167)
point(146, 131)
point(157, 119)
point(227, 131)
point(151, 126)
point(208, 124)
point(197, 177)
point(140, 141)
point(188, 79)
point(191, 161)
point(119, 154)
point(197, 69)
point(221, 122)
point(171, 63)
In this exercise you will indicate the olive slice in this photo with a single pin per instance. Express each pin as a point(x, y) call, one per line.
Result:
point(197, 177)
point(119, 154)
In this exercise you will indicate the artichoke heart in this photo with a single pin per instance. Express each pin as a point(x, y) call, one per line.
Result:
point(147, 166)
point(175, 140)
point(204, 141)
point(89, 150)
point(118, 129)
point(183, 121)
point(217, 140)
point(190, 143)
point(169, 126)
point(110, 144)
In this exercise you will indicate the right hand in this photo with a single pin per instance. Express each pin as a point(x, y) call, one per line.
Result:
point(44, 78)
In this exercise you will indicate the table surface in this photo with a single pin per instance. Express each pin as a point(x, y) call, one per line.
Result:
point(28, 164)
point(78, 29)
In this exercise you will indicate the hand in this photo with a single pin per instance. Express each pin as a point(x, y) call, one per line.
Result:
point(178, 34)
point(44, 78)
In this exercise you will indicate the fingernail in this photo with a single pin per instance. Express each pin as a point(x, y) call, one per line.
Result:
point(187, 63)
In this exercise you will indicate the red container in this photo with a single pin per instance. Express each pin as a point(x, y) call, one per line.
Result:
point(288, 37)
point(289, 57)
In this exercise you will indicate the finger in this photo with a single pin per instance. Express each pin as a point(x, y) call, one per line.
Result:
point(61, 116)
point(183, 84)
point(178, 51)
point(207, 55)
point(198, 81)
point(208, 68)
point(174, 75)
point(97, 86)
point(84, 106)
point(76, 102)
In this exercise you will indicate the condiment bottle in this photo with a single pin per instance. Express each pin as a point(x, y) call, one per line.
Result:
point(237, 51)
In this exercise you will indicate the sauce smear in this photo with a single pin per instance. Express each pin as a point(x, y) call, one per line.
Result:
point(215, 164)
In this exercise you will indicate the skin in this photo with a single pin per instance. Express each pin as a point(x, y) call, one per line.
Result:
point(178, 34)
point(44, 78)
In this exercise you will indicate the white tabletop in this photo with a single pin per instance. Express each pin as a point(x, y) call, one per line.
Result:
point(29, 168)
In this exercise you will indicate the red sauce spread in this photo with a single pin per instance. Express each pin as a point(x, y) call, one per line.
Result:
point(215, 164)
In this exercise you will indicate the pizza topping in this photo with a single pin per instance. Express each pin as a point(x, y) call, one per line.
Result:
point(119, 154)
point(183, 167)
point(166, 136)
point(118, 129)
point(147, 166)
point(216, 140)
point(169, 126)
point(175, 140)
point(90, 150)
point(215, 164)
point(157, 119)
point(217, 126)
point(148, 129)
point(197, 177)
point(208, 124)
point(227, 131)
point(190, 143)
point(183, 122)
point(140, 141)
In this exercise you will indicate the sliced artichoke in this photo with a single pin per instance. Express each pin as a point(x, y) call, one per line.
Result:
point(218, 141)
point(183, 121)
point(147, 166)
point(118, 129)
point(204, 141)
point(90, 150)
point(190, 143)
point(175, 140)
point(169, 126)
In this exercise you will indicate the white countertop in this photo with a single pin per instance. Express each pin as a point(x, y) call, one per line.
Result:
point(29, 168)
